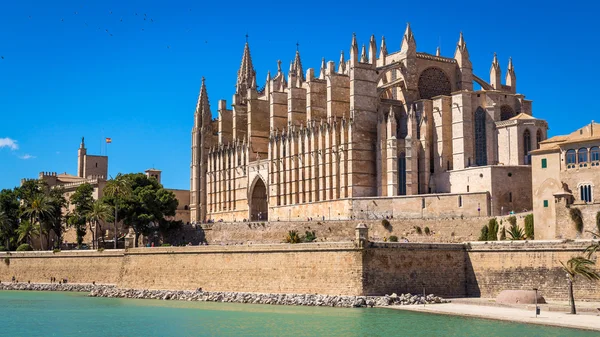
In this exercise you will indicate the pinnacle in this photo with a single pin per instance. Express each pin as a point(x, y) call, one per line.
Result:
point(437, 51)
point(383, 51)
point(495, 63)
point(408, 33)
point(510, 64)
point(363, 55)
point(342, 65)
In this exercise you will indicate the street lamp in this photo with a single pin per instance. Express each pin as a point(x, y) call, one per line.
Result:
point(537, 309)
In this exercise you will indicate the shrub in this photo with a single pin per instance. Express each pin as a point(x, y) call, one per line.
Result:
point(393, 238)
point(309, 236)
point(484, 233)
point(2, 249)
point(293, 237)
point(56, 250)
point(386, 224)
point(516, 233)
point(529, 233)
point(166, 245)
point(24, 248)
point(512, 220)
point(492, 230)
point(7, 261)
point(503, 233)
point(418, 229)
point(577, 218)
point(427, 231)
point(100, 249)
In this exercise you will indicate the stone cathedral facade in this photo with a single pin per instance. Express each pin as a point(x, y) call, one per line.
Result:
point(401, 134)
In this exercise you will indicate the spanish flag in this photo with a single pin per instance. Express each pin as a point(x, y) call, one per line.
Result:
point(108, 140)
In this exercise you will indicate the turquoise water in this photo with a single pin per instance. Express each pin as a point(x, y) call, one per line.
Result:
point(74, 314)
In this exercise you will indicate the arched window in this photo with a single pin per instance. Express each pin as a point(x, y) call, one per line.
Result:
point(582, 155)
point(539, 138)
point(480, 138)
point(595, 156)
point(571, 158)
point(526, 145)
point(186, 207)
point(402, 174)
point(506, 112)
point(433, 82)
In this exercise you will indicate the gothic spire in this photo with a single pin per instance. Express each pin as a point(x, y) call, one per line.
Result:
point(383, 51)
point(323, 68)
point(495, 63)
point(354, 50)
point(246, 72)
point(342, 65)
point(437, 51)
point(203, 106)
point(363, 55)
point(408, 41)
point(372, 50)
point(462, 45)
point(510, 65)
point(298, 66)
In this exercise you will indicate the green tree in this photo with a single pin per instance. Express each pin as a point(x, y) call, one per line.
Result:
point(10, 206)
point(529, 229)
point(293, 237)
point(58, 203)
point(147, 206)
point(116, 191)
point(97, 215)
point(25, 231)
point(39, 210)
point(515, 232)
point(78, 222)
point(492, 234)
point(483, 236)
point(579, 266)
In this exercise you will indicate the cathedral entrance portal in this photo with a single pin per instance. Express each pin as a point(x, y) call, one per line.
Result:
point(259, 210)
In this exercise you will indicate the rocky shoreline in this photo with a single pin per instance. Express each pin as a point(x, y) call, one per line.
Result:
point(75, 287)
point(111, 291)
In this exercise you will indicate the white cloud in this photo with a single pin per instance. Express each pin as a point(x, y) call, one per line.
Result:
point(8, 143)
point(26, 156)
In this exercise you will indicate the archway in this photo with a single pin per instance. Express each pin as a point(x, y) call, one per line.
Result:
point(259, 209)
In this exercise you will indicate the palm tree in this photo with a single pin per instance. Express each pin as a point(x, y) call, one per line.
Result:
point(25, 230)
point(579, 266)
point(99, 213)
point(118, 189)
point(38, 210)
point(5, 228)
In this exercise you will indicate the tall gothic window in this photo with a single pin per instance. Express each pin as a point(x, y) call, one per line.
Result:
point(433, 82)
point(480, 138)
point(402, 174)
point(539, 138)
point(526, 145)
point(394, 89)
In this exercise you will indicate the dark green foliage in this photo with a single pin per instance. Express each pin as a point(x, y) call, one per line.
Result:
point(166, 245)
point(293, 237)
point(24, 248)
point(516, 233)
point(512, 220)
point(492, 234)
point(2, 249)
point(386, 224)
point(427, 231)
point(56, 251)
point(147, 205)
point(310, 236)
point(529, 229)
point(393, 238)
point(484, 233)
point(577, 218)
point(418, 229)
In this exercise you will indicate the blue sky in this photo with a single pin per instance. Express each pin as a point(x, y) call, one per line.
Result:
point(96, 69)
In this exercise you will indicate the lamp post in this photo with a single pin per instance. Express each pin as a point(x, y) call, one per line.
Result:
point(537, 310)
point(424, 298)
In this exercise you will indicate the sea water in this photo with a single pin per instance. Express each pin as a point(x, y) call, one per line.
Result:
point(28, 313)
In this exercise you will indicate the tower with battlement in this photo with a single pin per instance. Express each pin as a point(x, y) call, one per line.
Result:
point(367, 137)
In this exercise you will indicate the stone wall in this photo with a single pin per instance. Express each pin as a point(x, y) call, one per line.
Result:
point(331, 269)
point(408, 267)
point(474, 269)
point(493, 267)
point(75, 266)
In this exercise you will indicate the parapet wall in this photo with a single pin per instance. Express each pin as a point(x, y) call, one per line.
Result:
point(451, 270)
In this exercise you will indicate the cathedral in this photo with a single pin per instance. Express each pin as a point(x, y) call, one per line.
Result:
point(381, 134)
